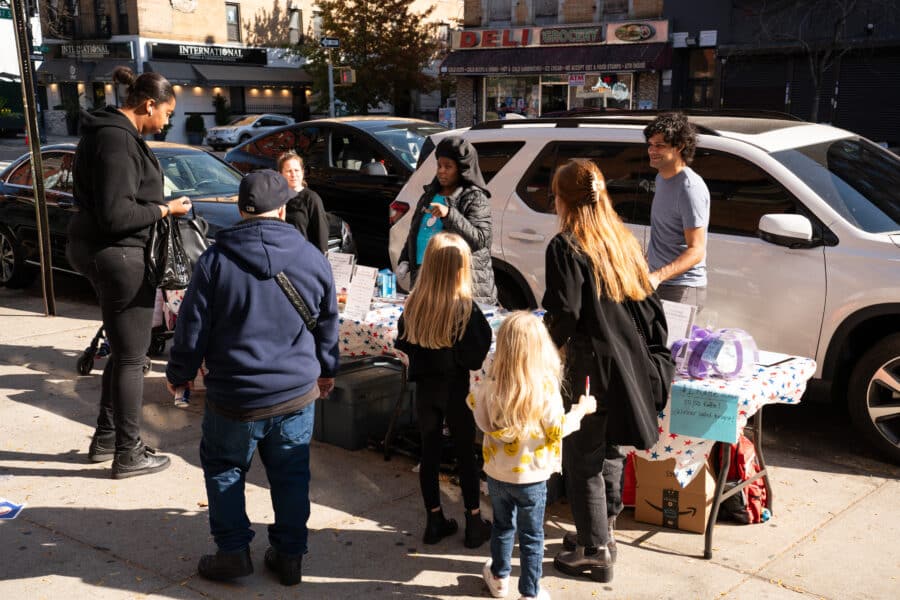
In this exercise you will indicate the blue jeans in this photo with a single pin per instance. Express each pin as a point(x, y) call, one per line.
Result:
point(226, 449)
point(518, 507)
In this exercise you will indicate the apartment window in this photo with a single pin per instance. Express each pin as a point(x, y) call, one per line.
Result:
point(546, 12)
point(615, 7)
point(233, 21)
point(500, 12)
point(122, 12)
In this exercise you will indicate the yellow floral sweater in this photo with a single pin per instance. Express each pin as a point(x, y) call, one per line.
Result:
point(513, 460)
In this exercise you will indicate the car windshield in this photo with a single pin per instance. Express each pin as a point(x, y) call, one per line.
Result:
point(405, 139)
point(858, 179)
point(196, 174)
point(241, 121)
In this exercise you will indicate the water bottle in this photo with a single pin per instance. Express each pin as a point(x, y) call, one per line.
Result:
point(182, 397)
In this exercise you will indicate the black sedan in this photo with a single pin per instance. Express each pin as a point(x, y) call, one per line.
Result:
point(211, 185)
point(356, 164)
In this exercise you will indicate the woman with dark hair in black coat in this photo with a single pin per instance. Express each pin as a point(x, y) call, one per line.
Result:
point(118, 188)
point(456, 201)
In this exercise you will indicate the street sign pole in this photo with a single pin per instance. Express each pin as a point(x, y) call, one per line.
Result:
point(20, 24)
point(330, 85)
point(329, 43)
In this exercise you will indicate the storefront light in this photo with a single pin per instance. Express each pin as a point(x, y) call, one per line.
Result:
point(267, 91)
point(53, 86)
point(176, 87)
point(285, 92)
point(217, 90)
point(198, 90)
point(108, 87)
point(308, 92)
point(80, 87)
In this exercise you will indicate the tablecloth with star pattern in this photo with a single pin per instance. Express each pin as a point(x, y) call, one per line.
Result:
point(781, 383)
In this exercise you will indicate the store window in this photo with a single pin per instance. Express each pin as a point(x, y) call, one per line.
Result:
point(603, 90)
point(511, 95)
point(554, 93)
point(701, 78)
point(615, 7)
point(233, 21)
point(546, 12)
point(500, 13)
point(122, 19)
point(740, 193)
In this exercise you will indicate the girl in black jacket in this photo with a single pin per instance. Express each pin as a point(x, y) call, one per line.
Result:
point(595, 269)
point(305, 210)
point(118, 188)
point(445, 335)
point(456, 201)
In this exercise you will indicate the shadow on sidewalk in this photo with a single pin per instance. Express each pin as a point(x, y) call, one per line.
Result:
point(146, 551)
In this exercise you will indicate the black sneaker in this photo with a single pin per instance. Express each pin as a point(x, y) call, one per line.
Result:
point(142, 460)
point(286, 566)
point(103, 447)
point(223, 566)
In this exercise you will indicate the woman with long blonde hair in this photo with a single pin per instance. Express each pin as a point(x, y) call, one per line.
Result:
point(521, 412)
point(445, 335)
point(598, 298)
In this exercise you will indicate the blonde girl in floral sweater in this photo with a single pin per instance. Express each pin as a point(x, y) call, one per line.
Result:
point(520, 410)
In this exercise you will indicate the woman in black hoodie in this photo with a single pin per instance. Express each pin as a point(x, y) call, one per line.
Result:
point(305, 210)
point(118, 188)
point(456, 201)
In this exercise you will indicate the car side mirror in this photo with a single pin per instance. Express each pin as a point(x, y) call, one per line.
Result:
point(792, 231)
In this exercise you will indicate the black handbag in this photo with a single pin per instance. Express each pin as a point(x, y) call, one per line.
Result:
point(174, 247)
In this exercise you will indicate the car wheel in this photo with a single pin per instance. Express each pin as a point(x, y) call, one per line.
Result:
point(14, 273)
point(85, 364)
point(509, 294)
point(873, 395)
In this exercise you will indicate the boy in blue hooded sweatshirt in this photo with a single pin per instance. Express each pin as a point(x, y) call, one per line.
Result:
point(266, 370)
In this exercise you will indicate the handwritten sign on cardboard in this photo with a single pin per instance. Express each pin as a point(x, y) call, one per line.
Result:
point(704, 413)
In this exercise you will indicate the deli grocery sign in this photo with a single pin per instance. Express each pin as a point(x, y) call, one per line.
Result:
point(524, 37)
point(216, 54)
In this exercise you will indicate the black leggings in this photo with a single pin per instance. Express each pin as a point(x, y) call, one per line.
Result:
point(437, 400)
point(126, 303)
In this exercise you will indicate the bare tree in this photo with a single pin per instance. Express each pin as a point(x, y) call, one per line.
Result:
point(817, 27)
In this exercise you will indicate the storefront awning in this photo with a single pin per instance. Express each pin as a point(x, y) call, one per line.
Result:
point(228, 75)
point(558, 60)
point(103, 70)
point(62, 70)
point(176, 72)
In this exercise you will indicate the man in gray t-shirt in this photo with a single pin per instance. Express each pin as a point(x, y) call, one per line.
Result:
point(679, 215)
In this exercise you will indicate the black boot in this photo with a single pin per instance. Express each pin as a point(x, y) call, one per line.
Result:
point(478, 530)
point(140, 460)
point(570, 540)
point(587, 562)
point(438, 527)
point(287, 566)
point(223, 566)
point(103, 447)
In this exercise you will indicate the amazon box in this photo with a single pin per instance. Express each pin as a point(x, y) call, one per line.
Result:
point(660, 499)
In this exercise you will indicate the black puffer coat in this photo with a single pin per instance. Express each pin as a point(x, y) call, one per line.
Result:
point(469, 217)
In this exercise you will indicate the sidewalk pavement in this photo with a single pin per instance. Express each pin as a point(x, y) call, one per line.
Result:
point(83, 535)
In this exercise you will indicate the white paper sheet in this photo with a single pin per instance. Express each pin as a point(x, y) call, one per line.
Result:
point(361, 291)
point(679, 318)
point(341, 268)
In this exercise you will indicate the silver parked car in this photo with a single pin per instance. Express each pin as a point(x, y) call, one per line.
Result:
point(241, 129)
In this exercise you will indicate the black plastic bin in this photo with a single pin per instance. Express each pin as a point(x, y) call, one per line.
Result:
point(362, 403)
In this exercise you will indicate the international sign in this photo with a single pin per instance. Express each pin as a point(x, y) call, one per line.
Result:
point(330, 42)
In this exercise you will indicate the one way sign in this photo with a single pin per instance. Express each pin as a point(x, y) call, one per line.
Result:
point(330, 42)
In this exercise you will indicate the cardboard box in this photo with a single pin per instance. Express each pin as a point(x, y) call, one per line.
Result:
point(660, 499)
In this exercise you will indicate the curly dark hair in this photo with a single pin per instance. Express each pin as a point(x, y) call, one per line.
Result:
point(677, 131)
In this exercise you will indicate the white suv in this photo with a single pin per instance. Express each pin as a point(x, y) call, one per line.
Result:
point(241, 129)
point(804, 239)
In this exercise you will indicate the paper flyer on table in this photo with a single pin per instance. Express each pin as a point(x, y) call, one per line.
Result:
point(361, 290)
point(679, 318)
point(341, 269)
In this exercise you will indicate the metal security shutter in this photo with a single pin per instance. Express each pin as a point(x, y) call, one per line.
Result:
point(802, 90)
point(755, 82)
point(867, 99)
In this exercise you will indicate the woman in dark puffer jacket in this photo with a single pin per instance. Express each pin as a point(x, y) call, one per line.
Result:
point(456, 201)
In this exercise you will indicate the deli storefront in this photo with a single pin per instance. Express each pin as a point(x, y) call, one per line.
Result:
point(537, 71)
